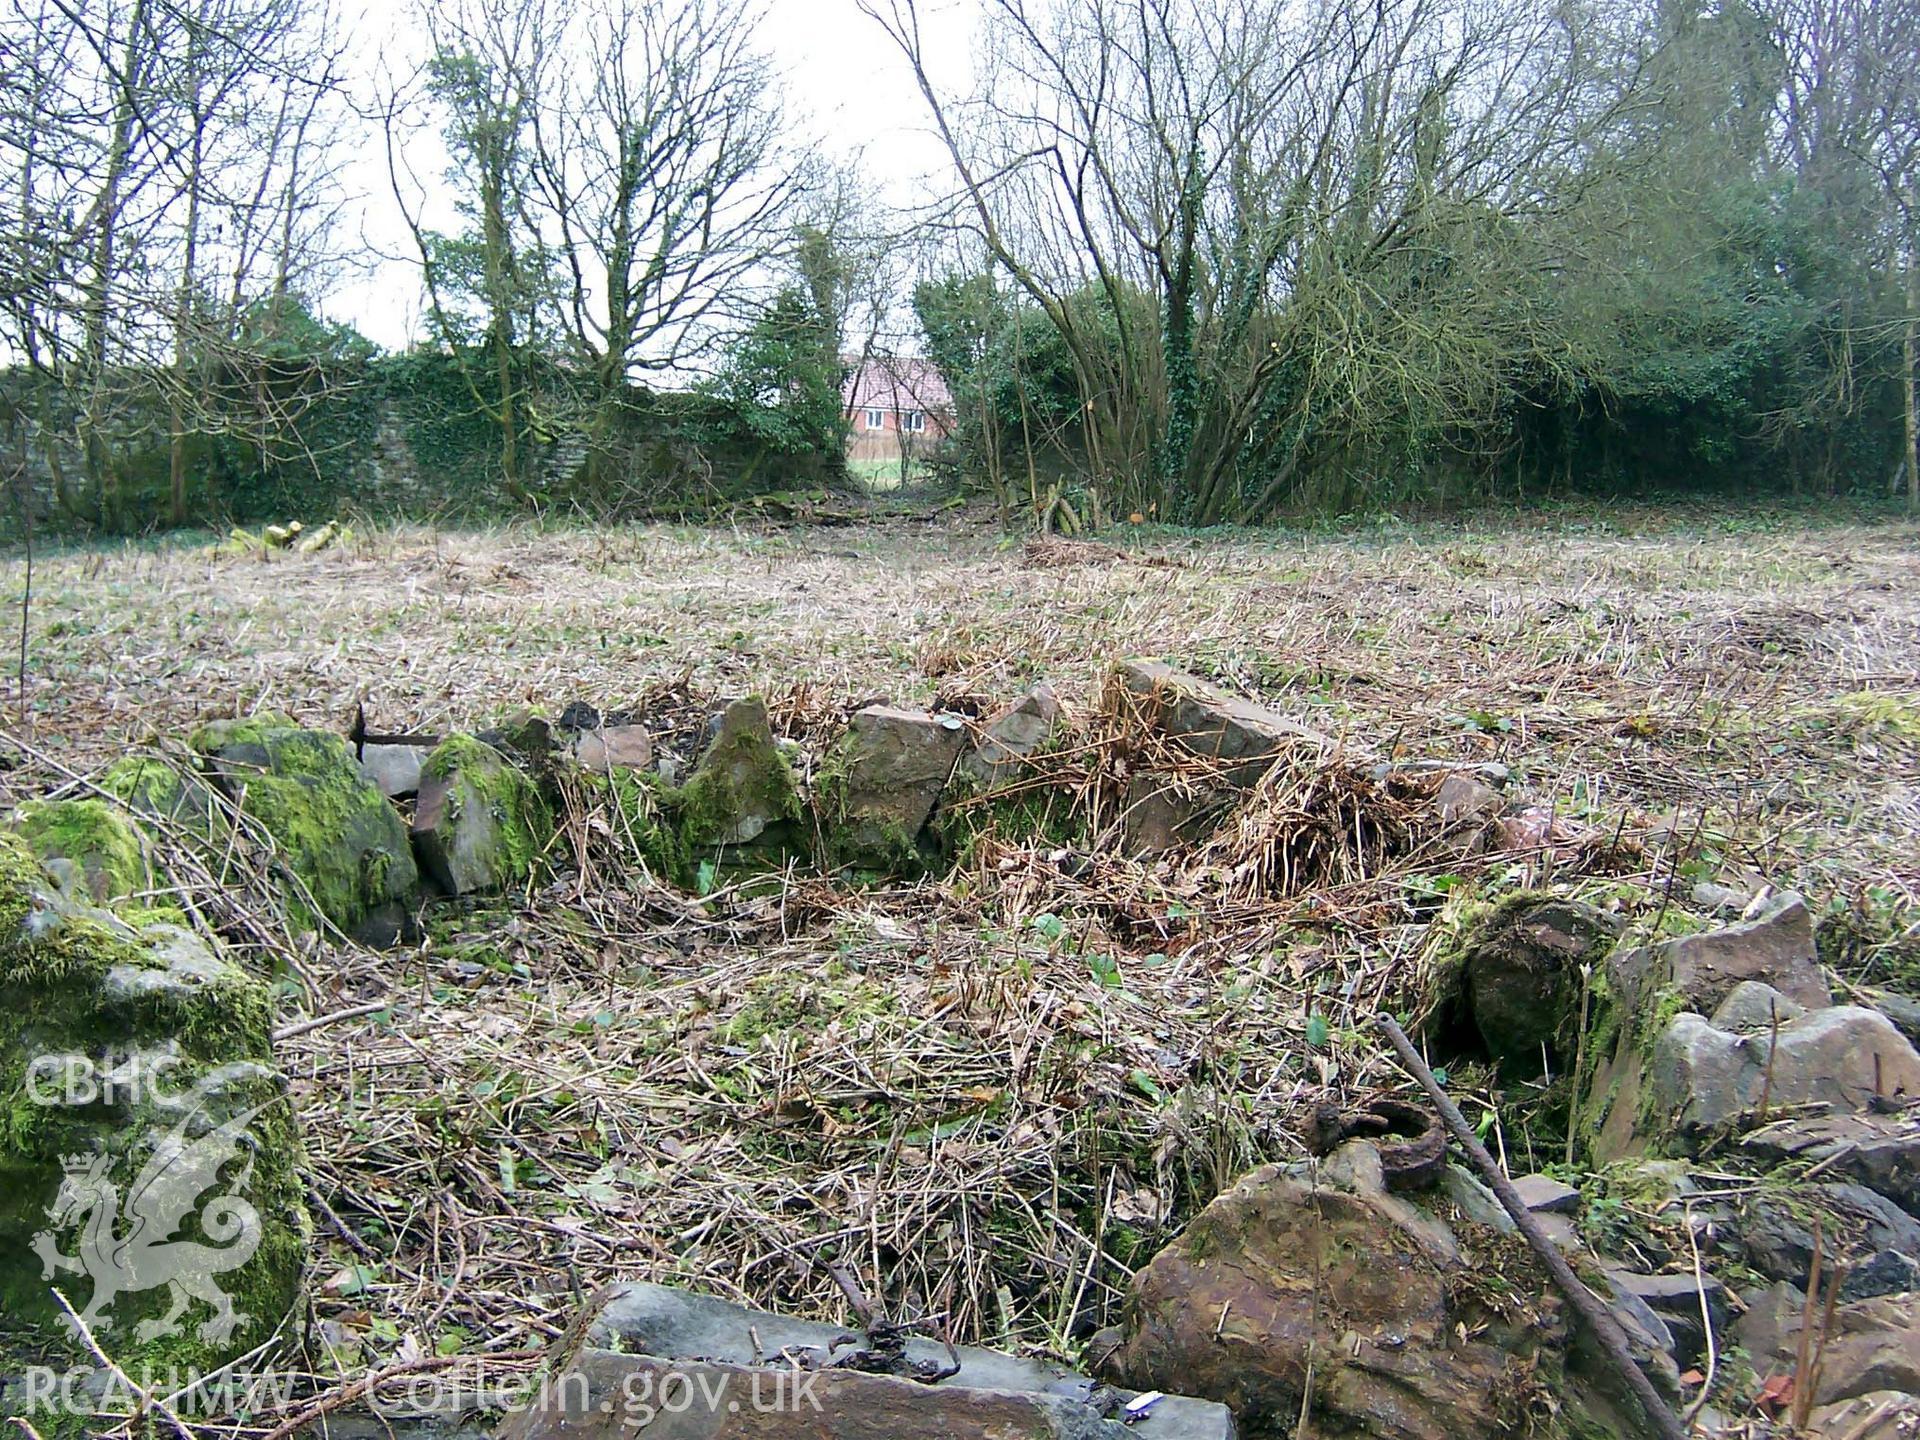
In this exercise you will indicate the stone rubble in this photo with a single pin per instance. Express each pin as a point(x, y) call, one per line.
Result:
point(1726, 1041)
point(1872, 1345)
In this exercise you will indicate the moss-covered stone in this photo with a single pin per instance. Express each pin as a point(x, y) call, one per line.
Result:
point(645, 822)
point(1628, 1010)
point(96, 838)
point(1523, 958)
point(480, 823)
point(148, 1154)
point(334, 830)
point(743, 791)
point(879, 788)
point(158, 793)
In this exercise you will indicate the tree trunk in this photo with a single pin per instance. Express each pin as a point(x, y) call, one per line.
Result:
point(183, 345)
point(1182, 380)
point(98, 458)
point(1908, 356)
point(501, 299)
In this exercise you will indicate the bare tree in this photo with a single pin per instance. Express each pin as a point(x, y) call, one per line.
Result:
point(140, 160)
point(665, 174)
point(1227, 210)
point(629, 178)
point(485, 82)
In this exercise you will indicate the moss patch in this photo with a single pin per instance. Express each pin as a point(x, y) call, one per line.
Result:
point(332, 828)
point(96, 837)
point(114, 1038)
point(646, 822)
point(1041, 815)
point(157, 791)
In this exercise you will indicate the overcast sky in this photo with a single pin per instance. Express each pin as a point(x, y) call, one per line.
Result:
point(846, 81)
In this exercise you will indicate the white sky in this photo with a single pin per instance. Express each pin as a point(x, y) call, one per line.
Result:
point(847, 82)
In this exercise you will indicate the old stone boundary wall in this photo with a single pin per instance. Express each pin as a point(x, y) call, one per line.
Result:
point(400, 436)
point(1725, 1037)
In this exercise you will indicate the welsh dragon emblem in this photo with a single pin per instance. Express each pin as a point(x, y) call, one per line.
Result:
point(128, 1246)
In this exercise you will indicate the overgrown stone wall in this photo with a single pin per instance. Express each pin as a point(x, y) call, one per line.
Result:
point(388, 436)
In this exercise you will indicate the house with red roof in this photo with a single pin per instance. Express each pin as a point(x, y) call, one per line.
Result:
point(897, 407)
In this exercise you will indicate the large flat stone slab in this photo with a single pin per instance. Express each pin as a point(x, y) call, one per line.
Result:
point(648, 1333)
point(1206, 721)
point(604, 1395)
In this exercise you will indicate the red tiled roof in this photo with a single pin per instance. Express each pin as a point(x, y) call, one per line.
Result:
point(896, 382)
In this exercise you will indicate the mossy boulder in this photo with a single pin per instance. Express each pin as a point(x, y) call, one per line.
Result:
point(743, 792)
point(480, 823)
point(333, 829)
point(159, 794)
point(1640, 1064)
point(94, 836)
point(148, 1153)
point(1522, 961)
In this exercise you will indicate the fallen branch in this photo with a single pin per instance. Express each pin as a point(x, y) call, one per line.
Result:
point(1605, 1329)
point(302, 1027)
point(366, 1384)
point(148, 1400)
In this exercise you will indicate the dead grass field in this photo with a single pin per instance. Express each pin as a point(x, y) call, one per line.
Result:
point(987, 1095)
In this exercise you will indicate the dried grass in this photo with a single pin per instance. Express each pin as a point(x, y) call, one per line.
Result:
point(988, 1096)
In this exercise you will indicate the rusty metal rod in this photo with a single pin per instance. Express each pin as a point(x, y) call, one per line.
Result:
point(1606, 1329)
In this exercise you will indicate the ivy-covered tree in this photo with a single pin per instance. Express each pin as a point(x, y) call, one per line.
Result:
point(780, 383)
